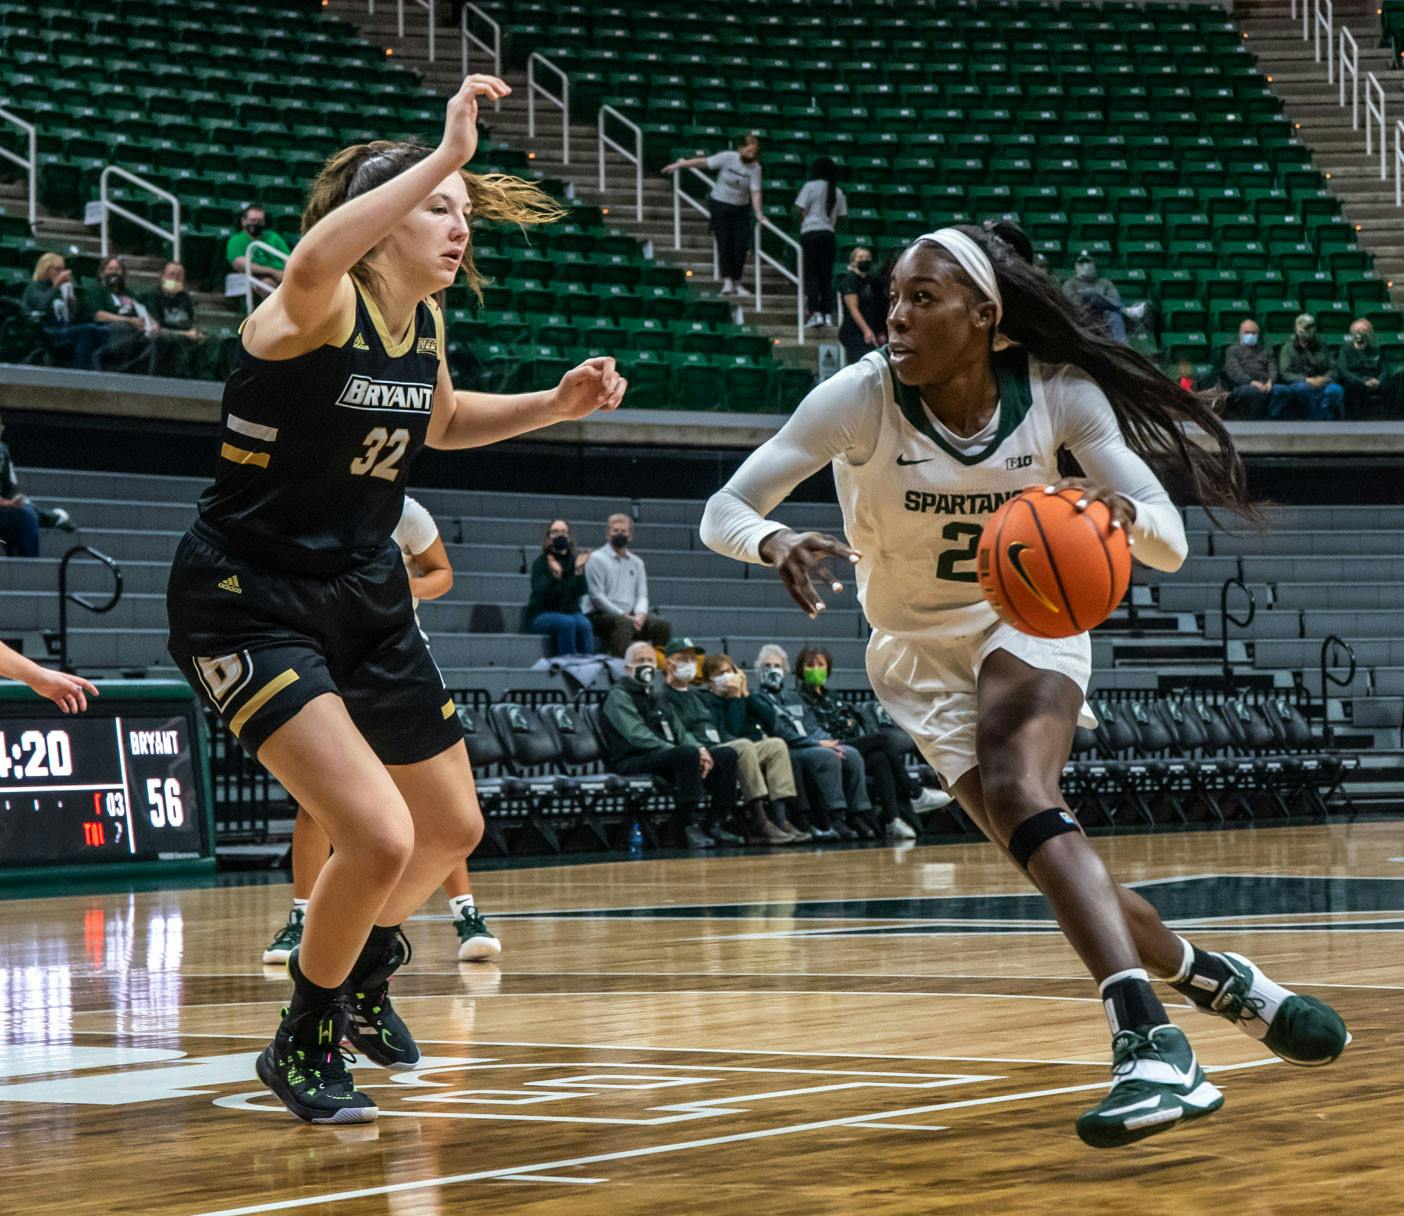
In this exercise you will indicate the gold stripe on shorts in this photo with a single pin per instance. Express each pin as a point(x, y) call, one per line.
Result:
point(448, 709)
point(260, 699)
point(243, 455)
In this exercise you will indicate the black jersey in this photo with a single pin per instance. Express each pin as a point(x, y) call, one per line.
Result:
point(316, 450)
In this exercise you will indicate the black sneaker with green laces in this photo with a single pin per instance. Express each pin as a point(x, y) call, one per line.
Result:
point(1157, 1084)
point(375, 1029)
point(306, 1067)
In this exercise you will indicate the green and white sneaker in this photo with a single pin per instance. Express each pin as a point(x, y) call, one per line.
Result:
point(288, 939)
point(1156, 1084)
point(309, 1074)
point(475, 940)
point(1299, 1029)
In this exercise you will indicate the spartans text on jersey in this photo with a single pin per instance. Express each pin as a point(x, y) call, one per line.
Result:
point(363, 393)
point(957, 504)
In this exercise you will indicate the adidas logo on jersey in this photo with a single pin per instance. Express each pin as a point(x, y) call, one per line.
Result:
point(231, 584)
point(363, 393)
point(360, 342)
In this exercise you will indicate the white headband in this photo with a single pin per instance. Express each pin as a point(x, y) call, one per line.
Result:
point(976, 263)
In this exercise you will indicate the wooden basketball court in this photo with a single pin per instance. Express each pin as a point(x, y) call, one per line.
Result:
point(861, 1031)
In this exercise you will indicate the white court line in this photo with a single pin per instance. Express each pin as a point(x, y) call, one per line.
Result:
point(904, 1127)
point(544, 1178)
point(650, 1151)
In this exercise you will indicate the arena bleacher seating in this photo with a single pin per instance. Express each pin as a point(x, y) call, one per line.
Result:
point(1143, 133)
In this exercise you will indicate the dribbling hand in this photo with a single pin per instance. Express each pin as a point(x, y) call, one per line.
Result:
point(593, 385)
point(1123, 511)
point(461, 118)
point(798, 556)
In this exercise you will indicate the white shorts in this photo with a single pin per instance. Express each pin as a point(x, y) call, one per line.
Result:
point(927, 685)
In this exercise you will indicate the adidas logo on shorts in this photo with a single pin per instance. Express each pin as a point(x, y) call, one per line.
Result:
point(231, 584)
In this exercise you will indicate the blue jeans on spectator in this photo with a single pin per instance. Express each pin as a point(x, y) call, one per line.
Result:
point(19, 529)
point(83, 337)
point(1324, 404)
point(570, 632)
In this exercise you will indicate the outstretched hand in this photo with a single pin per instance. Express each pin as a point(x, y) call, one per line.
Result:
point(461, 117)
point(798, 557)
point(593, 385)
point(63, 690)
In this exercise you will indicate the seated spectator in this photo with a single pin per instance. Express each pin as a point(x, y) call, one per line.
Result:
point(557, 587)
point(763, 766)
point(1306, 379)
point(1371, 389)
point(1100, 297)
point(839, 806)
point(739, 721)
point(51, 301)
point(901, 796)
point(1250, 372)
point(127, 326)
point(616, 593)
point(20, 519)
point(645, 735)
point(172, 308)
point(863, 323)
point(264, 266)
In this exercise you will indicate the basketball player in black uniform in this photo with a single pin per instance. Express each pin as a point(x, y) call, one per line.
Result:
point(289, 604)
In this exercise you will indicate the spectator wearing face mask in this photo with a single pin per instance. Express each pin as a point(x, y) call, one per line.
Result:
point(645, 735)
point(759, 765)
point(1371, 389)
point(557, 586)
point(128, 326)
point(52, 302)
point(736, 194)
point(835, 775)
point(820, 204)
point(1306, 378)
point(616, 593)
point(900, 796)
point(741, 726)
point(172, 307)
point(1250, 372)
point(253, 226)
point(1100, 297)
point(863, 326)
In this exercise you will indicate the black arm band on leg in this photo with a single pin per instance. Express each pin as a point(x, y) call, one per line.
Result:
point(1037, 830)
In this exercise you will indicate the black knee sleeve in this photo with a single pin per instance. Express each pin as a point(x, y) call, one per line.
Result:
point(1037, 830)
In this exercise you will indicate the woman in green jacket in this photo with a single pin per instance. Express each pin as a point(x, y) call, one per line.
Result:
point(557, 585)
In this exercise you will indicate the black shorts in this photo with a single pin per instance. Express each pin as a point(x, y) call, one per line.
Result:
point(258, 643)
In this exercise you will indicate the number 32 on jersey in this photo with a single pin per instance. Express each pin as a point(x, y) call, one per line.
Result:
point(384, 449)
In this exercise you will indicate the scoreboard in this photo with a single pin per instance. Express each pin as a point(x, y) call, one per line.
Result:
point(124, 786)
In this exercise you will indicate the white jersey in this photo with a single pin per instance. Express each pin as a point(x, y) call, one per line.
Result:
point(415, 532)
point(916, 496)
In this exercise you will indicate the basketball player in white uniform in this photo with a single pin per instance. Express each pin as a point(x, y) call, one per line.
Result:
point(989, 371)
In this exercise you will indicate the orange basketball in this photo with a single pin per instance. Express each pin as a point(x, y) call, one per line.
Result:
point(1049, 569)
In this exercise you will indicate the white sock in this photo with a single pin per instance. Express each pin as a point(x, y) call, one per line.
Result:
point(458, 904)
point(1186, 962)
point(300, 905)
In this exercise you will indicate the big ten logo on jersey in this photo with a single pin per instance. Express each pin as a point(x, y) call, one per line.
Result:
point(363, 393)
point(1019, 462)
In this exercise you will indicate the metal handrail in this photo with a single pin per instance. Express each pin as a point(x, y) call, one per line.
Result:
point(251, 282)
point(493, 48)
point(635, 157)
point(1351, 65)
point(81, 600)
point(109, 207)
point(796, 276)
point(1326, 23)
point(1331, 646)
point(1374, 89)
point(1398, 163)
point(1226, 618)
point(681, 196)
point(562, 102)
point(30, 166)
